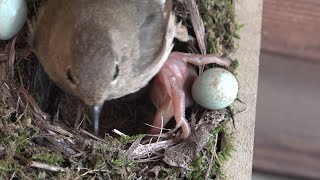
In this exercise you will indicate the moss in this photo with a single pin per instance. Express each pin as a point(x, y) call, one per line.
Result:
point(49, 158)
point(128, 139)
point(107, 156)
point(198, 168)
point(18, 147)
point(222, 29)
point(234, 66)
point(225, 150)
point(223, 153)
point(8, 167)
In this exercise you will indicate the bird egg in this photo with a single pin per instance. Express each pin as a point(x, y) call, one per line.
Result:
point(13, 15)
point(215, 88)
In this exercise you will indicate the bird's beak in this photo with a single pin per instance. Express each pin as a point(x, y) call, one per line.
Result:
point(95, 117)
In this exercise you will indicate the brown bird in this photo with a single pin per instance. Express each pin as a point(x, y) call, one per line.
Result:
point(100, 50)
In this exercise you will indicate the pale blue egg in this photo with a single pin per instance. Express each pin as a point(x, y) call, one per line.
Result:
point(13, 15)
point(215, 88)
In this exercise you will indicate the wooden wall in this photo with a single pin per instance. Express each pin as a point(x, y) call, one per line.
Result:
point(292, 27)
point(287, 137)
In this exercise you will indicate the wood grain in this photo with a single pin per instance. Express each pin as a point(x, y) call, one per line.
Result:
point(287, 135)
point(292, 27)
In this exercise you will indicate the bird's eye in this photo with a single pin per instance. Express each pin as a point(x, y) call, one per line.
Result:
point(116, 73)
point(69, 76)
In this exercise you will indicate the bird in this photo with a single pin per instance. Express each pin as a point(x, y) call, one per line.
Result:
point(170, 89)
point(99, 50)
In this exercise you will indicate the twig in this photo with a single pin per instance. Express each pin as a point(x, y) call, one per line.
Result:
point(143, 151)
point(134, 145)
point(12, 57)
point(59, 130)
point(90, 172)
point(161, 129)
point(197, 24)
point(90, 135)
point(79, 120)
point(214, 148)
point(80, 123)
point(119, 133)
point(61, 146)
point(46, 166)
point(217, 158)
point(150, 159)
point(13, 176)
point(149, 125)
point(23, 113)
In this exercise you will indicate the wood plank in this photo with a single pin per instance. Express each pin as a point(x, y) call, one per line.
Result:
point(287, 136)
point(287, 125)
point(292, 27)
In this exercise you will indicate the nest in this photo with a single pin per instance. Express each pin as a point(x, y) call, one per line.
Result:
point(44, 132)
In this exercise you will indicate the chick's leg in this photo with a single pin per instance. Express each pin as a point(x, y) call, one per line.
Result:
point(178, 102)
point(200, 59)
point(163, 115)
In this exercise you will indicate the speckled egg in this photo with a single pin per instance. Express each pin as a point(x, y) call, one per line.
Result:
point(13, 15)
point(215, 88)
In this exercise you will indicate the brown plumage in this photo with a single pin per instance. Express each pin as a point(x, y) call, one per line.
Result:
point(100, 50)
point(103, 49)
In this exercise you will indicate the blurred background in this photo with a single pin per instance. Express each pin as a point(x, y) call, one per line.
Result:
point(287, 139)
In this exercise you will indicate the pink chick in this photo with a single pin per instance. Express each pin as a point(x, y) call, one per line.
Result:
point(171, 89)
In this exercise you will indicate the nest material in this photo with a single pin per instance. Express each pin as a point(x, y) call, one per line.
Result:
point(33, 147)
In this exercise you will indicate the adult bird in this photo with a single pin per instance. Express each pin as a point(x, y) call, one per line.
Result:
point(100, 50)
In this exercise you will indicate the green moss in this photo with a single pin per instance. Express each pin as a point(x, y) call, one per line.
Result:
point(7, 167)
point(222, 29)
point(50, 158)
point(234, 66)
point(107, 156)
point(225, 153)
point(129, 139)
point(199, 167)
